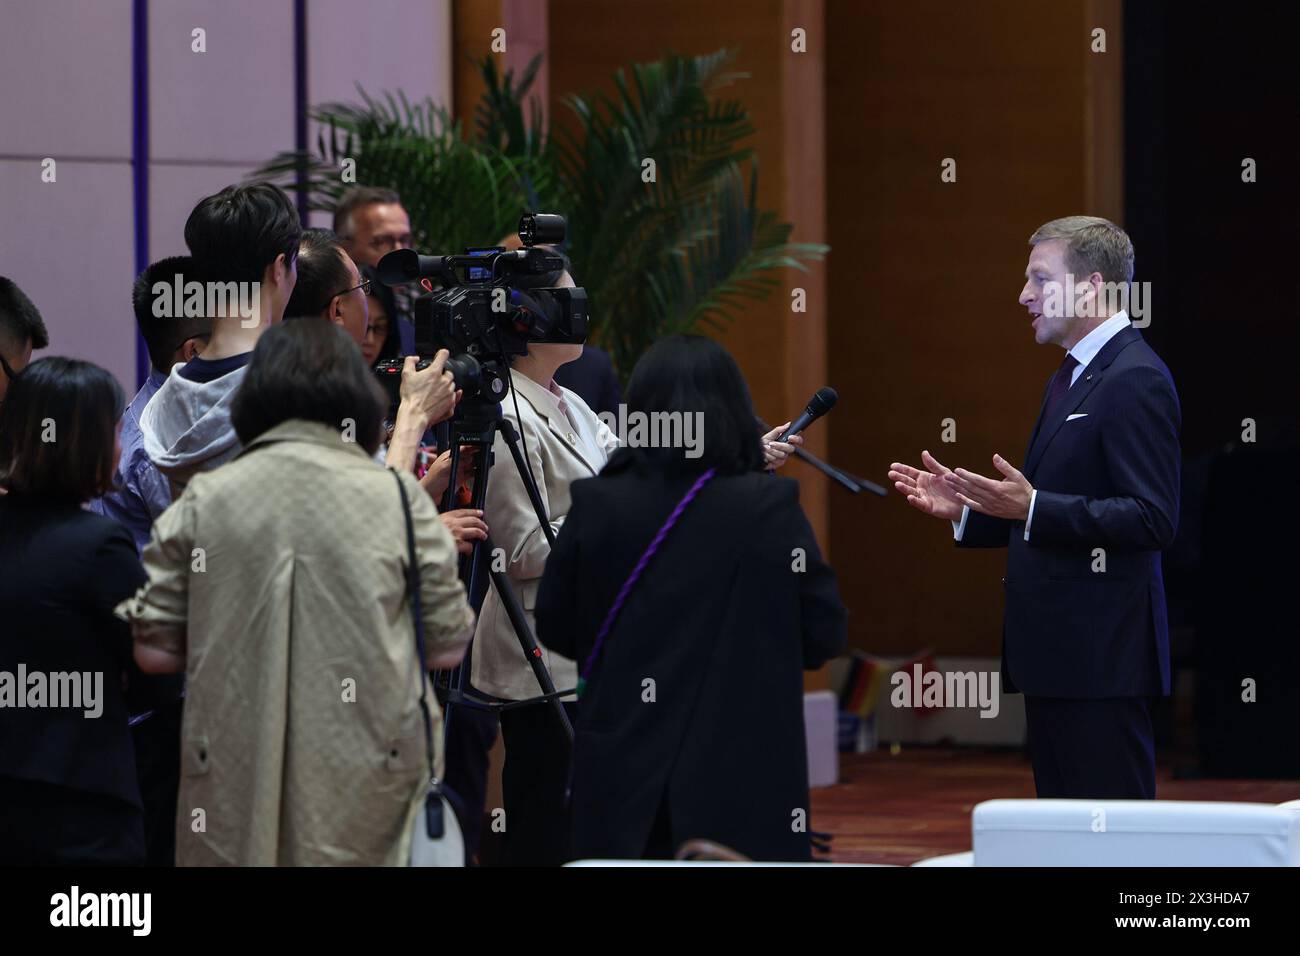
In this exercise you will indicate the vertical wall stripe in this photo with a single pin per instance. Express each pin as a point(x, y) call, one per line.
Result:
point(140, 158)
point(300, 98)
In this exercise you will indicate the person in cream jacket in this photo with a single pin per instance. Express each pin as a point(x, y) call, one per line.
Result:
point(563, 441)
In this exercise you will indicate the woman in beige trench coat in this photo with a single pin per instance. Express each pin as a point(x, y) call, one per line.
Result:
point(277, 583)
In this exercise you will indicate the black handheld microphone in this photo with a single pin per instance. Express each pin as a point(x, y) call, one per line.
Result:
point(821, 403)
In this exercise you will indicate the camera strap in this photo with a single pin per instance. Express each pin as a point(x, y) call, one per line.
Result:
point(632, 578)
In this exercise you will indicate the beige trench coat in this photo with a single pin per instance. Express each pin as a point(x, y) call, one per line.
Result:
point(302, 741)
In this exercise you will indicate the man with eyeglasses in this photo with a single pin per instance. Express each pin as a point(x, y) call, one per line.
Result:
point(372, 222)
point(331, 288)
point(329, 285)
point(21, 331)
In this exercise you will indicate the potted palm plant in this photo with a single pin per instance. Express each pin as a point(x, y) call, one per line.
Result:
point(668, 246)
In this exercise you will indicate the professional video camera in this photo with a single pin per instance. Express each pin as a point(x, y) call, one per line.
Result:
point(490, 306)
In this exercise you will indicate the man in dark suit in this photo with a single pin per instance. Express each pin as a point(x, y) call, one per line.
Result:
point(1085, 635)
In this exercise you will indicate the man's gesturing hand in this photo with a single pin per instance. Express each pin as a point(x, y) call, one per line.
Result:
point(1008, 498)
point(925, 489)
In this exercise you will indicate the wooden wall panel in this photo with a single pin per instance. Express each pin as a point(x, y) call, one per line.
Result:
point(472, 24)
point(781, 354)
point(925, 275)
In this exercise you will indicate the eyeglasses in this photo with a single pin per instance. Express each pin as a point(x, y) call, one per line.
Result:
point(363, 285)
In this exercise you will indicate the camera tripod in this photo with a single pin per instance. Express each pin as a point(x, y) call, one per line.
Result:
point(476, 423)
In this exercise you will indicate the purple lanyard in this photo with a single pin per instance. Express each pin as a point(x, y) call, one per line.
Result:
point(636, 573)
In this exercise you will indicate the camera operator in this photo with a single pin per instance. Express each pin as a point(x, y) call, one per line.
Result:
point(331, 287)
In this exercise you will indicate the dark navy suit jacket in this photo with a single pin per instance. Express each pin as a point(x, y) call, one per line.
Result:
point(1107, 480)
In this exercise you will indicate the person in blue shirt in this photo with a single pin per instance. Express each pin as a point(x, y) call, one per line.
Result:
point(141, 492)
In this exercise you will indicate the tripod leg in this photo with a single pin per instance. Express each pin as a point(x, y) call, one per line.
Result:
point(512, 442)
point(471, 564)
point(532, 650)
point(483, 433)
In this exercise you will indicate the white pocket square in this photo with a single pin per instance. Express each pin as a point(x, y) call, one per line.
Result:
point(1070, 418)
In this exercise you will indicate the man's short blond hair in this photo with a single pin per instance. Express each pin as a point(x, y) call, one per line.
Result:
point(1092, 244)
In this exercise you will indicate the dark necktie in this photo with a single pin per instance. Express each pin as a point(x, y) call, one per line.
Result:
point(1060, 384)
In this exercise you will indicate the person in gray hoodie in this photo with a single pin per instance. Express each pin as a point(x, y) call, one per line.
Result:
point(244, 244)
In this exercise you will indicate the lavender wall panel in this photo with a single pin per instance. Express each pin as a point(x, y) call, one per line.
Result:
point(388, 45)
point(232, 103)
point(385, 45)
point(68, 246)
point(174, 190)
point(65, 68)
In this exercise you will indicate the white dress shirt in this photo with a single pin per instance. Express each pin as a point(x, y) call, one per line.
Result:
point(1084, 351)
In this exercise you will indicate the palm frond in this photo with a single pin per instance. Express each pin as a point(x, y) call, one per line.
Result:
point(690, 248)
point(457, 193)
point(686, 248)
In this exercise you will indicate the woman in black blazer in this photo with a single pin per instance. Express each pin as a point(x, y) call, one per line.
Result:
point(691, 716)
point(68, 790)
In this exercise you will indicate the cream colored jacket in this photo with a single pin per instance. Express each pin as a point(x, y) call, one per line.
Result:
point(560, 455)
point(282, 578)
